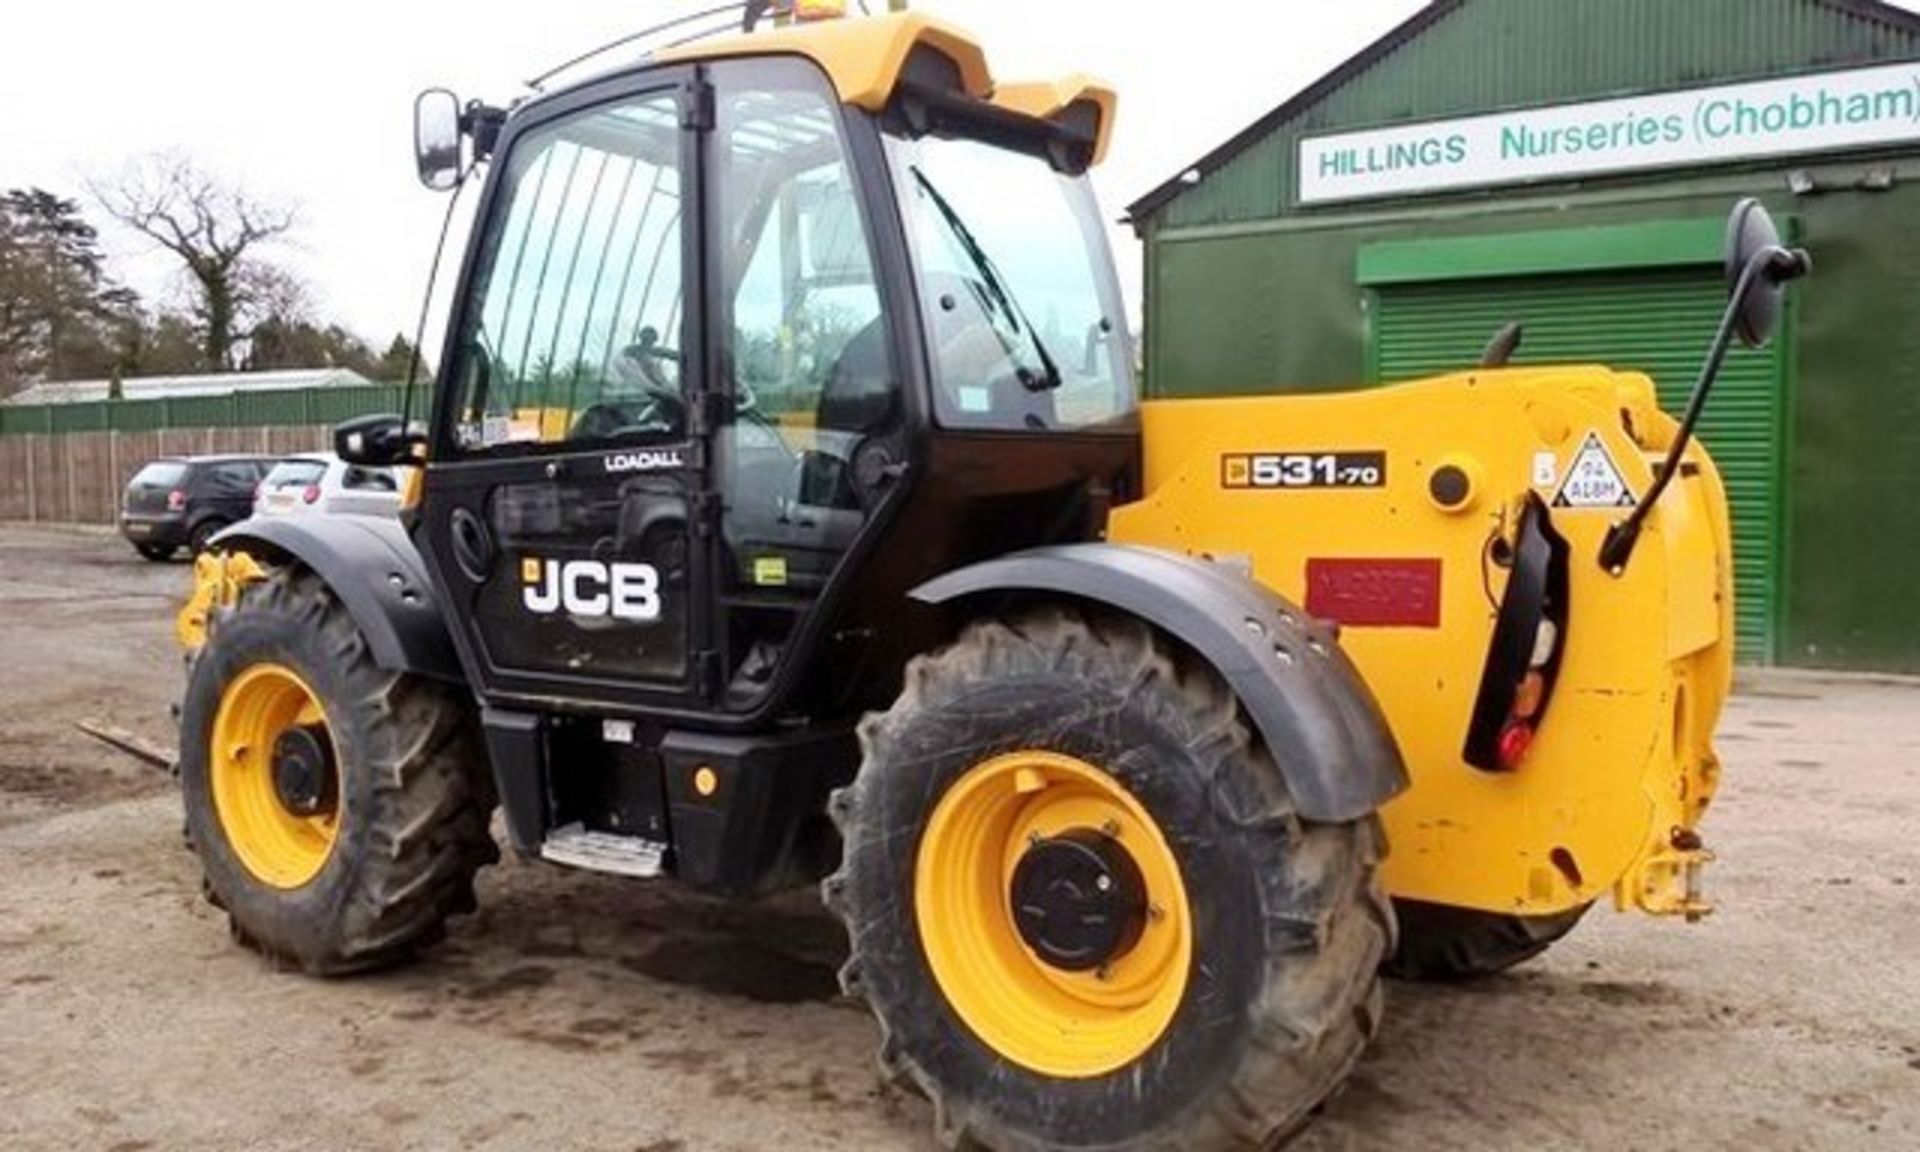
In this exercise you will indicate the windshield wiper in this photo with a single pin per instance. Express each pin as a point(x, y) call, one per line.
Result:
point(997, 285)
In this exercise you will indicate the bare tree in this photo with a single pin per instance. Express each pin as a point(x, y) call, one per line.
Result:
point(215, 230)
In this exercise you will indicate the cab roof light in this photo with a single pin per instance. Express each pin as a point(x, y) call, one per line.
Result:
point(807, 11)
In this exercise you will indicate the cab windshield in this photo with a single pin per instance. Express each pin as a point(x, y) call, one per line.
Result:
point(1025, 324)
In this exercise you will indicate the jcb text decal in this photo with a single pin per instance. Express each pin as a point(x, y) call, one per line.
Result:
point(591, 588)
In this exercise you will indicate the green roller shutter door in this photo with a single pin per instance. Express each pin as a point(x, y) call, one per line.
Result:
point(1658, 322)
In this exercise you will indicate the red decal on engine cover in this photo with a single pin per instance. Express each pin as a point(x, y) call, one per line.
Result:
point(1375, 593)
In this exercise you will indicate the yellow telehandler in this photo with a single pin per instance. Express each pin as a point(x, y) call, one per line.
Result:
point(784, 513)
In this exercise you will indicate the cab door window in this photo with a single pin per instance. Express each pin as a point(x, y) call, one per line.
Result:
point(574, 333)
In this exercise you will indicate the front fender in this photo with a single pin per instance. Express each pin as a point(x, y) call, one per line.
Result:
point(1306, 699)
point(370, 563)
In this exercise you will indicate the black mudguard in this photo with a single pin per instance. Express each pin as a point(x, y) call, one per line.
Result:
point(372, 566)
point(1307, 700)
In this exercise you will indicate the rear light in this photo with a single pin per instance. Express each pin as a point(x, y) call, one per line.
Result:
point(1516, 735)
point(1515, 739)
point(311, 494)
point(1525, 651)
point(176, 500)
point(1531, 694)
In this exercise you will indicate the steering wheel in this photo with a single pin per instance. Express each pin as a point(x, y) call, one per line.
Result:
point(652, 414)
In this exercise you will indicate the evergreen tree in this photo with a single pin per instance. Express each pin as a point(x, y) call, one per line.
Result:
point(59, 311)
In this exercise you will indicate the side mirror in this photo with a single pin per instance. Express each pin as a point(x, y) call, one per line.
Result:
point(1754, 243)
point(436, 138)
point(1759, 268)
point(377, 441)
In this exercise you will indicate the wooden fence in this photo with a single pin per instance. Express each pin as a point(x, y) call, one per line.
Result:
point(78, 477)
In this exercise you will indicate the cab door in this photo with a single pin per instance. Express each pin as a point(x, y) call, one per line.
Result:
point(566, 467)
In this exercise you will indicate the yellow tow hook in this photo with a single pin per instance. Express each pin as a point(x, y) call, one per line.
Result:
point(1670, 881)
point(1694, 859)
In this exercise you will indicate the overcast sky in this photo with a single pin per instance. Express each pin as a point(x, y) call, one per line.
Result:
point(312, 103)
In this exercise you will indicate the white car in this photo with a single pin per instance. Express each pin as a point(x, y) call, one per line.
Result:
point(325, 484)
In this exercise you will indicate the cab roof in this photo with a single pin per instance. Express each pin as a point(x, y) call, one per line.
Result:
point(865, 58)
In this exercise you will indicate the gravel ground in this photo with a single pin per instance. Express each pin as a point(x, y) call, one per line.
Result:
point(579, 1012)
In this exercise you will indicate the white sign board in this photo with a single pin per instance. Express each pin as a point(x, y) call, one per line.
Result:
point(1861, 108)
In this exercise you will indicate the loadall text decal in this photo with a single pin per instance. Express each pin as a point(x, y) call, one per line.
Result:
point(658, 460)
point(591, 588)
point(1290, 470)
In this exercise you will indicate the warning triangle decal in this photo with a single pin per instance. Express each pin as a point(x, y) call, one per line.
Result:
point(1593, 480)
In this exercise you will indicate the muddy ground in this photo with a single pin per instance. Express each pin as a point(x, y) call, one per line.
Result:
point(577, 1012)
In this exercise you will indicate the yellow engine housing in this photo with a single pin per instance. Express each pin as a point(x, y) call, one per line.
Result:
point(1623, 763)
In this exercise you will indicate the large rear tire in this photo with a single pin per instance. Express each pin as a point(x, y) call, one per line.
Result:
point(1251, 986)
point(340, 811)
point(1442, 943)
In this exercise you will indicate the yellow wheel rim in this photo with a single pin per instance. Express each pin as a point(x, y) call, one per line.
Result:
point(281, 847)
point(1072, 1025)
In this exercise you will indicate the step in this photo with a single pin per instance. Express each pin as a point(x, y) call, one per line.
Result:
point(577, 847)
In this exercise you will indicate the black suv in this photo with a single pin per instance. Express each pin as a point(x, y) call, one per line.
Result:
point(184, 500)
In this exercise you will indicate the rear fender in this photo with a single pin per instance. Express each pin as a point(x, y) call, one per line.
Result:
point(1303, 695)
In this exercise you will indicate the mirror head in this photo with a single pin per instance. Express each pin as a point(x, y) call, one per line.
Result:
point(379, 441)
point(436, 138)
point(1753, 242)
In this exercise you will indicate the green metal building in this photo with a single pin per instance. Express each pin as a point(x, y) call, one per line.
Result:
point(1569, 164)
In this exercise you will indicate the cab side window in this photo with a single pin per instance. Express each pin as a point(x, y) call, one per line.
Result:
point(575, 331)
point(806, 311)
point(810, 362)
point(805, 353)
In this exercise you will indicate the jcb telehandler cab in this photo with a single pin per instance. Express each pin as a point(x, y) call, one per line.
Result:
point(785, 514)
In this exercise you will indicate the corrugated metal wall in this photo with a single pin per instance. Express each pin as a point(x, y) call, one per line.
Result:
point(1488, 55)
point(234, 410)
point(1653, 322)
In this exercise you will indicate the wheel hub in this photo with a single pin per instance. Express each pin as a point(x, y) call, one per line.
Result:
point(303, 771)
point(271, 768)
point(1052, 913)
point(1079, 901)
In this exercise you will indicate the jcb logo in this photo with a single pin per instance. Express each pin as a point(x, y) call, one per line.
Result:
point(590, 588)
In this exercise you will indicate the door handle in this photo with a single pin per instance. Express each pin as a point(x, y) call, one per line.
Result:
point(472, 545)
point(875, 468)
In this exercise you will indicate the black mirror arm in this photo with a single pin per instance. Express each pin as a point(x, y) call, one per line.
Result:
point(1769, 266)
point(481, 123)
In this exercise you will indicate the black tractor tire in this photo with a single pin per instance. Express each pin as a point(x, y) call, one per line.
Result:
point(1441, 943)
point(1290, 924)
point(157, 553)
point(203, 534)
point(415, 800)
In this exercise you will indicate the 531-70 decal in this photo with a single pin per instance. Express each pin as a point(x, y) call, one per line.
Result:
point(1291, 470)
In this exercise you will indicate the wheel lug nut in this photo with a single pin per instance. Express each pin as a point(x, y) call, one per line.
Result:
point(1112, 829)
